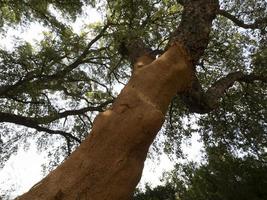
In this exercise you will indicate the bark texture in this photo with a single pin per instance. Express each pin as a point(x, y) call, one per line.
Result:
point(109, 163)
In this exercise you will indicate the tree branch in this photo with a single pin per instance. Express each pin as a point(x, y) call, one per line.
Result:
point(199, 101)
point(31, 123)
point(57, 132)
point(36, 122)
point(44, 80)
point(79, 60)
point(6, 117)
point(250, 78)
point(260, 23)
point(217, 90)
point(137, 52)
point(49, 119)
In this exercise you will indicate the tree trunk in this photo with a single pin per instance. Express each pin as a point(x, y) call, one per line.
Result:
point(108, 164)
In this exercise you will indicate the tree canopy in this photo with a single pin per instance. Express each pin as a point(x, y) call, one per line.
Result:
point(51, 89)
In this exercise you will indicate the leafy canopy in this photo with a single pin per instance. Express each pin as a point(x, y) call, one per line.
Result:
point(51, 89)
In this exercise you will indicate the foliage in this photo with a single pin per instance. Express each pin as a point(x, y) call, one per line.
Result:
point(222, 177)
point(166, 192)
point(51, 89)
point(45, 84)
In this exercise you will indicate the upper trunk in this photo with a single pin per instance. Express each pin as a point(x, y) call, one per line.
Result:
point(108, 164)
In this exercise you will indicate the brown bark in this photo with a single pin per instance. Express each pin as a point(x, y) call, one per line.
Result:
point(108, 164)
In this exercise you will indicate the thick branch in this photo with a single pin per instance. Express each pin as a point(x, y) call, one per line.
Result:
point(217, 90)
point(31, 123)
point(5, 89)
point(250, 78)
point(12, 118)
point(203, 102)
point(36, 122)
point(48, 119)
point(260, 23)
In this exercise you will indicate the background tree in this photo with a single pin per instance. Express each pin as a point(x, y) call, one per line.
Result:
point(223, 176)
point(83, 69)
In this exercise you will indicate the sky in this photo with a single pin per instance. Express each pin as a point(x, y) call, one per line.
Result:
point(24, 168)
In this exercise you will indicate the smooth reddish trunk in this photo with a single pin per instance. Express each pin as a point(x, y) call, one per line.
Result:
point(109, 163)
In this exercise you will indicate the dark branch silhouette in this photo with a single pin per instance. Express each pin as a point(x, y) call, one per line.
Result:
point(200, 101)
point(37, 122)
point(259, 23)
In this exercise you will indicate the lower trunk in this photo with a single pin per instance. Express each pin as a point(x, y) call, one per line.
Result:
point(109, 163)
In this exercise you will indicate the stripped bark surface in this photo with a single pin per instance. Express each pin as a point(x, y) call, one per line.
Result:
point(109, 163)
